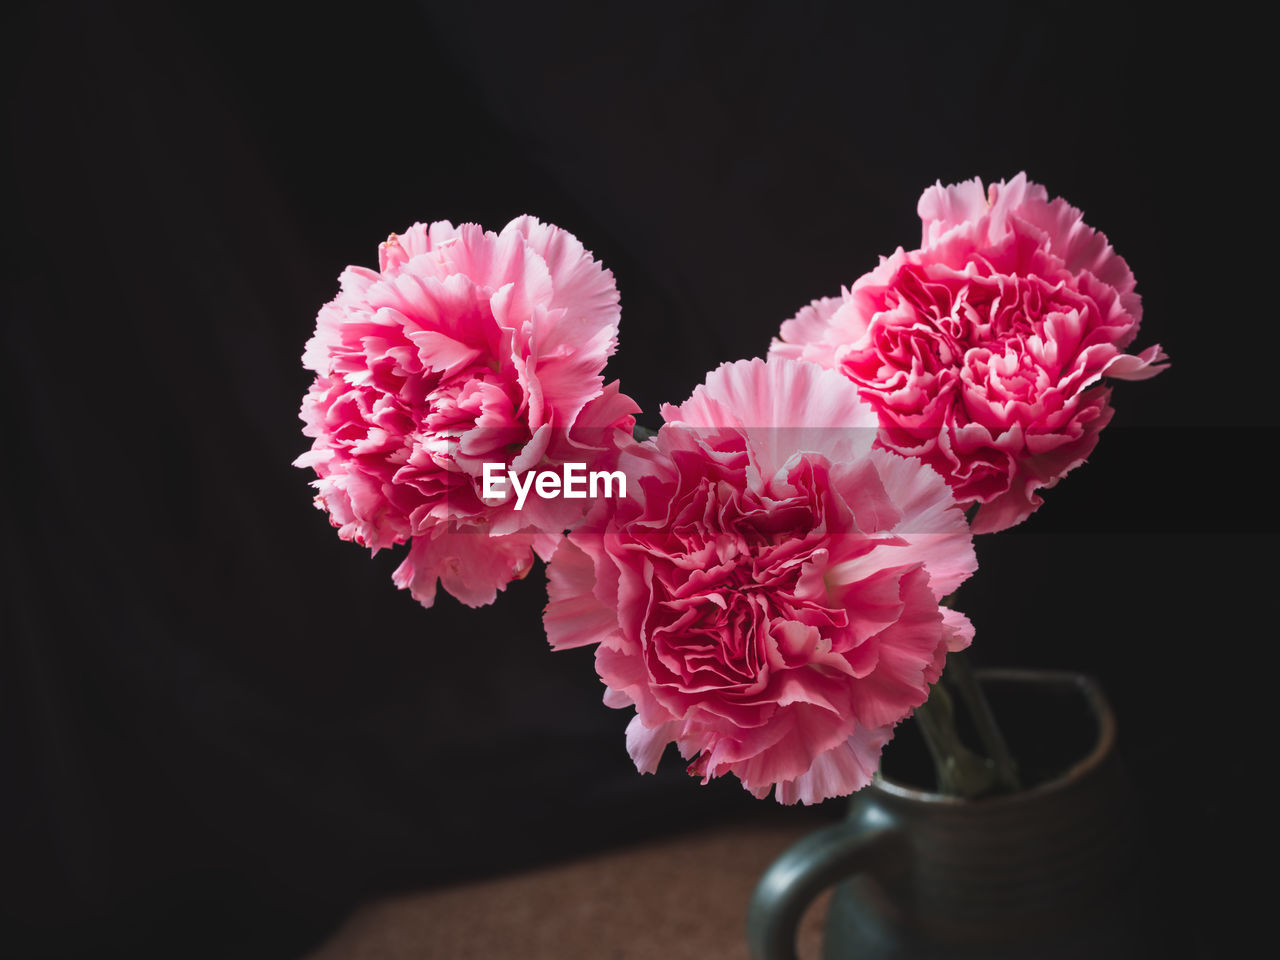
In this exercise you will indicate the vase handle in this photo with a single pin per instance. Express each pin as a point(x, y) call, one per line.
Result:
point(796, 878)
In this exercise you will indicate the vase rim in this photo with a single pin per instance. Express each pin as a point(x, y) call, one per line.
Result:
point(1103, 745)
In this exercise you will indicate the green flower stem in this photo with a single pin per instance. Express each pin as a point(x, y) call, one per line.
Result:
point(960, 771)
point(938, 724)
point(959, 672)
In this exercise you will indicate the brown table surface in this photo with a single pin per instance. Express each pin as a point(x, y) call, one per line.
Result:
point(678, 897)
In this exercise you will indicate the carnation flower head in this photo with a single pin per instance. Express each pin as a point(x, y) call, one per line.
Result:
point(463, 347)
point(767, 595)
point(983, 352)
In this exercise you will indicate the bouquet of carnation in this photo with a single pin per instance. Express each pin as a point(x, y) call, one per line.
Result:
point(766, 578)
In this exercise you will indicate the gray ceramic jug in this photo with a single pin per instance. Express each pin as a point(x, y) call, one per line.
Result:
point(1044, 873)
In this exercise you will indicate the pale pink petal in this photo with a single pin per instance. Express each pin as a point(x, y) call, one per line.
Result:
point(782, 409)
point(471, 565)
point(933, 526)
point(960, 629)
point(801, 337)
point(1141, 367)
point(943, 208)
point(574, 617)
point(646, 745)
point(840, 771)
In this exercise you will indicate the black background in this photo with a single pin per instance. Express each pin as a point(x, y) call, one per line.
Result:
point(222, 727)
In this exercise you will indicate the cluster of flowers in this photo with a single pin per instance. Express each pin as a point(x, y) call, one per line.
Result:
point(767, 593)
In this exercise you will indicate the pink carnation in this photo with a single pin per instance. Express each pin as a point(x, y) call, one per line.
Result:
point(983, 352)
point(464, 347)
point(767, 596)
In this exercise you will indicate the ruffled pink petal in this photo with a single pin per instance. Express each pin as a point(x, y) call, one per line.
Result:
point(782, 409)
point(933, 527)
point(646, 745)
point(840, 771)
point(573, 616)
point(802, 337)
point(1140, 367)
point(959, 630)
point(471, 565)
point(911, 652)
point(942, 209)
point(780, 751)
